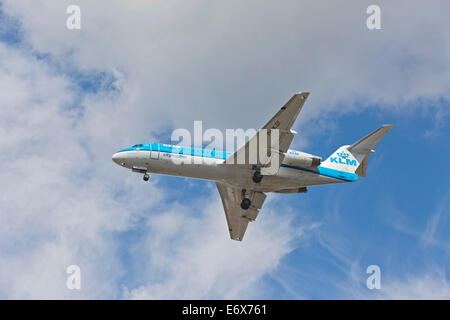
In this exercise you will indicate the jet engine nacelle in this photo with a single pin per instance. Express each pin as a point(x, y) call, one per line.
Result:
point(301, 159)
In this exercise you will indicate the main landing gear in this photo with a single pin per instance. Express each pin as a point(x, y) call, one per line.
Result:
point(146, 177)
point(246, 203)
point(257, 177)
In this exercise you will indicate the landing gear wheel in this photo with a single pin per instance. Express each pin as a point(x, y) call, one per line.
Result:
point(245, 204)
point(257, 177)
point(146, 177)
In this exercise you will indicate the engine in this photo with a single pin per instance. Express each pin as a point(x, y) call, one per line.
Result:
point(301, 159)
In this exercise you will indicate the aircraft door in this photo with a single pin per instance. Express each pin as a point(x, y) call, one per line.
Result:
point(154, 153)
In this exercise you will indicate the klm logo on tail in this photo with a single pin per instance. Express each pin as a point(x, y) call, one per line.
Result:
point(341, 156)
point(353, 158)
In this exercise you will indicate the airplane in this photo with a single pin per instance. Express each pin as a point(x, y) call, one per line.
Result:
point(243, 186)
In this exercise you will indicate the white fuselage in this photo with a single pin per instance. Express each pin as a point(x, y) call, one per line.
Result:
point(209, 168)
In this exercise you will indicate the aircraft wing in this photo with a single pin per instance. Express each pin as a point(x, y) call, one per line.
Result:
point(283, 121)
point(238, 218)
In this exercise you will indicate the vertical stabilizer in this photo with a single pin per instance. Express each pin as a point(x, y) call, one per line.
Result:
point(355, 158)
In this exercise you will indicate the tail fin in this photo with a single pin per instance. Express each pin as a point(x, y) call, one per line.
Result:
point(355, 158)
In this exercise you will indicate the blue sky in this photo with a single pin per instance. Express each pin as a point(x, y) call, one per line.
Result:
point(381, 219)
point(72, 98)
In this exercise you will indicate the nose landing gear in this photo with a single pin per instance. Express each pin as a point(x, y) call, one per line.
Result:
point(141, 170)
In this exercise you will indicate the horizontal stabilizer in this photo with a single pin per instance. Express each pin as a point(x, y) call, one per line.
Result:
point(366, 144)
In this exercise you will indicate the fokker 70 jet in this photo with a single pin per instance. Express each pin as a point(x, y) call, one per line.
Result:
point(243, 185)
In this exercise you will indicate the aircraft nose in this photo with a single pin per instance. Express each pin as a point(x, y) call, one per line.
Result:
point(117, 158)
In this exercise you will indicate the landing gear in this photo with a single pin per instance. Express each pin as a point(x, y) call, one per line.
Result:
point(141, 170)
point(257, 177)
point(245, 204)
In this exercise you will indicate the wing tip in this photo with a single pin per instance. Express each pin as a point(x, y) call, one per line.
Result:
point(303, 94)
point(235, 238)
point(386, 127)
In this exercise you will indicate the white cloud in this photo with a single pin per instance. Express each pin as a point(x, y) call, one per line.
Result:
point(186, 59)
point(436, 221)
point(428, 286)
point(63, 202)
point(62, 197)
point(190, 255)
point(56, 208)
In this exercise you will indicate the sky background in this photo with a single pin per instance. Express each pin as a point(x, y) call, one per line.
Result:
point(139, 69)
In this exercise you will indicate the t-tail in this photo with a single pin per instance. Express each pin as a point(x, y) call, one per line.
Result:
point(354, 158)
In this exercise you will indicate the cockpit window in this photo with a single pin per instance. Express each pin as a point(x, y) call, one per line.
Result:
point(137, 146)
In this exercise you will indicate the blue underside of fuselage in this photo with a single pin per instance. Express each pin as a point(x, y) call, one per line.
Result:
point(207, 153)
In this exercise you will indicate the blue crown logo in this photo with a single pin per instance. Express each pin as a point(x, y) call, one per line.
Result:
point(343, 155)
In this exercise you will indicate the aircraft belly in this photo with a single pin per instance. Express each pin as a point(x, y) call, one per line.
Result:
point(286, 178)
point(305, 178)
